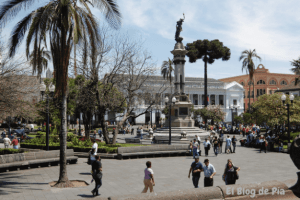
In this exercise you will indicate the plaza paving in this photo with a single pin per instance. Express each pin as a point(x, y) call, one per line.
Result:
point(122, 177)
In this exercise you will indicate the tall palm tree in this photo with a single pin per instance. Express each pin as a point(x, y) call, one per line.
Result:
point(65, 24)
point(39, 63)
point(296, 69)
point(248, 64)
point(167, 69)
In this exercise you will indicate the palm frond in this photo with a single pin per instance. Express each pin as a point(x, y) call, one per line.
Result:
point(112, 13)
point(11, 8)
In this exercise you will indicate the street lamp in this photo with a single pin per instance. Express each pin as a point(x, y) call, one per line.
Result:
point(170, 105)
point(283, 98)
point(232, 108)
point(151, 114)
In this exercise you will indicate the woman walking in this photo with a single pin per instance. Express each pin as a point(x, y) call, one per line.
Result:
point(230, 174)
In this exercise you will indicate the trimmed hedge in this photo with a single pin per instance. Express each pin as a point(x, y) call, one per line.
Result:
point(10, 151)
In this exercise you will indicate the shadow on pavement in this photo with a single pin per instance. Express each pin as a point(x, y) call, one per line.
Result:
point(87, 196)
point(16, 186)
point(86, 174)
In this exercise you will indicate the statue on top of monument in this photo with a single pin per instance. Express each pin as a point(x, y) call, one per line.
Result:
point(179, 29)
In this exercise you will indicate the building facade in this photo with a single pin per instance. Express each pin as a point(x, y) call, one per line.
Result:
point(220, 94)
point(264, 83)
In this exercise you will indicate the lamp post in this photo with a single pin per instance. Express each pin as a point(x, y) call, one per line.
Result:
point(283, 98)
point(170, 106)
point(151, 115)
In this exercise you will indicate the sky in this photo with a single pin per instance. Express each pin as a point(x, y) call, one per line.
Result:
point(270, 27)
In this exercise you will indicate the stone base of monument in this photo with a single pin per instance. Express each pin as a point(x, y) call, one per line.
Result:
point(190, 132)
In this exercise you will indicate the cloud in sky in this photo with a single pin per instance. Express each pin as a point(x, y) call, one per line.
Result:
point(269, 26)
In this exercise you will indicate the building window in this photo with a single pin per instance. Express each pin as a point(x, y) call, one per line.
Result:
point(260, 92)
point(242, 83)
point(261, 82)
point(283, 83)
point(272, 82)
point(244, 94)
point(221, 100)
point(234, 102)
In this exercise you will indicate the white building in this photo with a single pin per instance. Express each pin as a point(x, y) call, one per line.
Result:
point(219, 93)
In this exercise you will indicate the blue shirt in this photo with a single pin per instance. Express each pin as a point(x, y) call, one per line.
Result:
point(196, 166)
point(228, 141)
point(99, 131)
point(209, 170)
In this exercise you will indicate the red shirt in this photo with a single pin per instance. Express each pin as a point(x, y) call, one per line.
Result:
point(15, 142)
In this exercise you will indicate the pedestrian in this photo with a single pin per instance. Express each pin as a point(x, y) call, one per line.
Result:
point(228, 145)
point(6, 141)
point(206, 144)
point(191, 147)
point(195, 148)
point(199, 142)
point(100, 133)
point(15, 143)
point(209, 172)
point(216, 145)
point(196, 168)
point(132, 131)
point(95, 133)
point(234, 143)
point(220, 144)
point(263, 144)
point(97, 175)
point(230, 173)
point(32, 127)
point(149, 178)
point(95, 146)
point(244, 131)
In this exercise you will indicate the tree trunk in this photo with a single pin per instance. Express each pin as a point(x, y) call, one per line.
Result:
point(253, 91)
point(63, 180)
point(87, 123)
point(249, 97)
point(104, 129)
point(119, 126)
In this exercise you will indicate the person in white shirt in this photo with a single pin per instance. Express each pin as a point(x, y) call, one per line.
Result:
point(209, 172)
point(206, 144)
point(199, 142)
point(6, 141)
point(228, 144)
point(149, 178)
point(32, 127)
point(95, 146)
point(195, 147)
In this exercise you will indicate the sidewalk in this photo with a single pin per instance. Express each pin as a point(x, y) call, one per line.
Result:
point(125, 177)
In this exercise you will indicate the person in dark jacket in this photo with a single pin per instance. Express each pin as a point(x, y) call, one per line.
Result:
point(230, 173)
point(97, 175)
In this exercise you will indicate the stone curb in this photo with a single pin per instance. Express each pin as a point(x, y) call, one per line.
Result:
point(262, 191)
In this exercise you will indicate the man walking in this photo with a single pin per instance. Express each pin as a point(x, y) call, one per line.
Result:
point(216, 145)
point(234, 143)
point(199, 142)
point(6, 141)
point(97, 175)
point(196, 167)
point(195, 147)
point(209, 172)
point(206, 144)
point(220, 144)
point(228, 144)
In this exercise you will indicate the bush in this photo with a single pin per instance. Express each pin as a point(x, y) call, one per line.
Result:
point(70, 136)
point(10, 151)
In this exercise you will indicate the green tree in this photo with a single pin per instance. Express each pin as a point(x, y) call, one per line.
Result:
point(248, 65)
point(214, 113)
point(65, 23)
point(208, 51)
point(39, 62)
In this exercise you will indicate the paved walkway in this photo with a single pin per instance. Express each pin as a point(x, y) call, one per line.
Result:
point(122, 177)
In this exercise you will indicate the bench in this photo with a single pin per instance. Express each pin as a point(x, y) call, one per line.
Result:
point(165, 139)
point(132, 140)
point(153, 150)
point(34, 158)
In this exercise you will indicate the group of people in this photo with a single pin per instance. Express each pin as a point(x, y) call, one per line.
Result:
point(230, 174)
point(214, 142)
point(7, 141)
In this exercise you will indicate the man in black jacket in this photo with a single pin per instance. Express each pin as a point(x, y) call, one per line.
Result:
point(97, 175)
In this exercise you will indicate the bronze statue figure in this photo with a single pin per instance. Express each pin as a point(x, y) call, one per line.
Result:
point(179, 29)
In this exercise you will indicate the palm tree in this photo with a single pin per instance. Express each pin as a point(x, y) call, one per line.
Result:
point(296, 69)
point(39, 63)
point(65, 24)
point(249, 66)
point(167, 69)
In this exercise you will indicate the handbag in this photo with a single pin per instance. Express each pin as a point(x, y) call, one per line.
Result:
point(236, 175)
